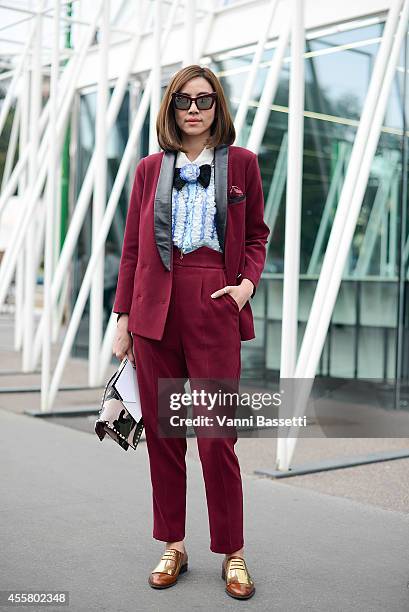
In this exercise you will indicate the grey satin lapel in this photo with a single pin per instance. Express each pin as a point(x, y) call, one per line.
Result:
point(163, 208)
point(163, 201)
point(220, 190)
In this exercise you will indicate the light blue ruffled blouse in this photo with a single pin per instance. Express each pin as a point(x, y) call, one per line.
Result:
point(194, 208)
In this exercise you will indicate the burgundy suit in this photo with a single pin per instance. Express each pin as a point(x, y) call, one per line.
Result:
point(145, 279)
point(180, 332)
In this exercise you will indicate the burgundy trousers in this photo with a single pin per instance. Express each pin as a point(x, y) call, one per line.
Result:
point(201, 340)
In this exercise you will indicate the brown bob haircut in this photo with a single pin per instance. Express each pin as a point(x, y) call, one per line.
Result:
point(169, 134)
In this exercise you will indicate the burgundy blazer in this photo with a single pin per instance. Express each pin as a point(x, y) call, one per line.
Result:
point(145, 272)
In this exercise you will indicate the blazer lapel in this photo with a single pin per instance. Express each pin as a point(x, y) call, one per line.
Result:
point(163, 208)
point(220, 191)
point(163, 201)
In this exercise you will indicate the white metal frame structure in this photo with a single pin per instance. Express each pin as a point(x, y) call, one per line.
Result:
point(41, 132)
point(348, 208)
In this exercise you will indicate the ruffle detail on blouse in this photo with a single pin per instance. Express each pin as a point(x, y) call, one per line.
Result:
point(193, 216)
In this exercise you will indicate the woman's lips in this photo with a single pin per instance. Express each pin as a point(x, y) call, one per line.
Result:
point(193, 121)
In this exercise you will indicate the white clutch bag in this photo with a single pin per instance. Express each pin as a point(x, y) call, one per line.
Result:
point(120, 416)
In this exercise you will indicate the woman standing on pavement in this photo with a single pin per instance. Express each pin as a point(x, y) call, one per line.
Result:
point(193, 253)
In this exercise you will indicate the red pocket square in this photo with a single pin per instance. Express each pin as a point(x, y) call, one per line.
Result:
point(235, 191)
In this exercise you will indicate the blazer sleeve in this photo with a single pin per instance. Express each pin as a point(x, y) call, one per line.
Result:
point(257, 231)
point(129, 257)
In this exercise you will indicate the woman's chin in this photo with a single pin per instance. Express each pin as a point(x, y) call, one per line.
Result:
point(197, 130)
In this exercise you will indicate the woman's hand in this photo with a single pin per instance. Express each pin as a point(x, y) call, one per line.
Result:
point(240, 293)
point(122, 346)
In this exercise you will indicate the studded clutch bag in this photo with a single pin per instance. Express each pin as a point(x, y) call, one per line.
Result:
point(120, 416)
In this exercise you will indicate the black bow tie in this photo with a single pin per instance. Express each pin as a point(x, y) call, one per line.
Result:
point(203, 178)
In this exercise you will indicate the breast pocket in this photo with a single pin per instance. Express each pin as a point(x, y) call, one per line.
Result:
point(236, 199)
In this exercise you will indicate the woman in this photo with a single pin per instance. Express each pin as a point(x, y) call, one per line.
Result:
point(193, 253)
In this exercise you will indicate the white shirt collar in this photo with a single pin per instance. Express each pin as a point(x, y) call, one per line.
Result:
point(204, 157)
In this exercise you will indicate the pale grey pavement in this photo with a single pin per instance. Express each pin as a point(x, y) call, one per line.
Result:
point(76, 515)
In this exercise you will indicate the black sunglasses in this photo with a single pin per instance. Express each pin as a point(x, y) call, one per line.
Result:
point(182, 101)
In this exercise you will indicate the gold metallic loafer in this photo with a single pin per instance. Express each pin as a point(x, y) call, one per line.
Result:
point(166, 573)
point(238, 580)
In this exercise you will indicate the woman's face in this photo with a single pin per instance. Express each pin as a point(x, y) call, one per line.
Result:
point(203, 118)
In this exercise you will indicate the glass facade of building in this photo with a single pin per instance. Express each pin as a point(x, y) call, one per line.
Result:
point(362, 338)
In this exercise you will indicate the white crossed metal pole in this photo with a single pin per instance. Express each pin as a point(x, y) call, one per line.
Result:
point(347, 212)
